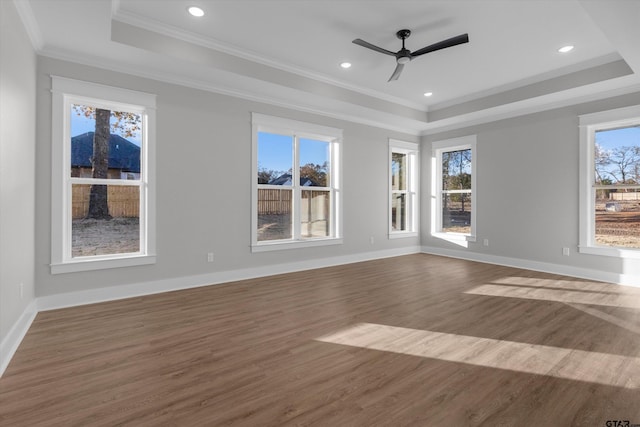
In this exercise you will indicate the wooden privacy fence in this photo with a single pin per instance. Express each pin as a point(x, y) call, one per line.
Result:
point(274, 202)
point(123, 201)
point(625, 196)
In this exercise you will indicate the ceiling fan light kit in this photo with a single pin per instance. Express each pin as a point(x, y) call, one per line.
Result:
point(404, 55)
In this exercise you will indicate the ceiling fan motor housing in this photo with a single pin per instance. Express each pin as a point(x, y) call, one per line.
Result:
point(403, 55)
point(403, 34)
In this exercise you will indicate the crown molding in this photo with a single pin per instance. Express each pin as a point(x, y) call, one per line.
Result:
point(30, 24)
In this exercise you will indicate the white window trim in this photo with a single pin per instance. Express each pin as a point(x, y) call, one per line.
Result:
point(589, 124)
point(412, 150)
point(66, 91)
point(438, 147)
point(282, 126)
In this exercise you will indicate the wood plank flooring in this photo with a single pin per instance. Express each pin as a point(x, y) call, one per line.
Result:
point(417, 340)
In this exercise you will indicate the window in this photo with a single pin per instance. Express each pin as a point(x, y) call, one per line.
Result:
point(103, 212)
point(403, 189)
point(296, 184)
point(610, 183)
point(453, 188)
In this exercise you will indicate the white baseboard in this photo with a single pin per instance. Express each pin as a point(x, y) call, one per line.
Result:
point(91, 296)
point(10, 343)
point(565, 270)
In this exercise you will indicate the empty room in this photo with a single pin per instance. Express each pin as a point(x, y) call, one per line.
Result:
point(311, 212)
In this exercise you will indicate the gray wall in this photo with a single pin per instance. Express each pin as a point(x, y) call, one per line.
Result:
point(204, 182)
point(17, 169)
point(527, 189)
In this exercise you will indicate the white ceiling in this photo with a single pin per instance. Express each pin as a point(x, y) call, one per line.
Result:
point(288, 52)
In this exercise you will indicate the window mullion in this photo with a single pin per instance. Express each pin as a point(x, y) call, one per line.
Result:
point(333, 182)
point(68, 217)
point(106, 181)
point(297, 193)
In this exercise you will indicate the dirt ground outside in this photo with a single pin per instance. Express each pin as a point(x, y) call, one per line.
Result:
point(104, 237)
point(620, 229)
point(274, 227)
point(122, 235)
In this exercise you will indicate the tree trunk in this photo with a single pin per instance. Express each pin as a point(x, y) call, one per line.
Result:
point(98, 206)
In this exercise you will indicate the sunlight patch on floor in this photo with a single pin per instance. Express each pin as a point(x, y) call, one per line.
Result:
point(569, 284)
point(606, 317)
point(579, 365)
point(557, 292)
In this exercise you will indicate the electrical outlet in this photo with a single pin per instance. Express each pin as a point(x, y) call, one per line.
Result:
point(565, 251)
point(371, 240)
point(210, 257)
point(485, 242)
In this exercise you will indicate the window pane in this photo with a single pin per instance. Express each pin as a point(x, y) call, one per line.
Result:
point(105, 144)
point(274, 214)
point(315, 214)
point(617, 210)
point(398, 212)
point(456, 170)
point(275, 159)
point(117, 232)
point(456, 212)
point(618, 218)
point(617, 156)
point(315, 161)
point(398, 171)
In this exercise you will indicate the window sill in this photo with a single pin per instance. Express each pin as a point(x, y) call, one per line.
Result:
point(278, 246)
point(455, 238)
point(611, 252)
point(89, 264)
point(402, 234)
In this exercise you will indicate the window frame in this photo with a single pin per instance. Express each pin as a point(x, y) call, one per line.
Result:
point(438, 147)
point(297, 129)
point(412, 151)
point(66, 92)
point(588, 125)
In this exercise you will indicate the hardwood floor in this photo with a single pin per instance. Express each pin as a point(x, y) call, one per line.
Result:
point(417, 340)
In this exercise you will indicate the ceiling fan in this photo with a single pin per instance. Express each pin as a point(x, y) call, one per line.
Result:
point(404, 55)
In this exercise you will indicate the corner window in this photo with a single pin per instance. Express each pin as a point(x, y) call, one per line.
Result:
point(403, 189)
point(102, 163)
point(453, 189)
point(610, 183)
point(296, 184)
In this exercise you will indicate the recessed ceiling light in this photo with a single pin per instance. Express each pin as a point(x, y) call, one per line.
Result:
point(195, 11)
point(428, 93)
point(565, 49)
point(345, 65)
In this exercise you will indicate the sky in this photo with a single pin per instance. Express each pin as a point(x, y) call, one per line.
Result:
point(275, 152)
point(614, 138)
point(81, 124)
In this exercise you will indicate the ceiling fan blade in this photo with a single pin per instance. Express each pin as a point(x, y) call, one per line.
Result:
point(368, 45)
point(453, 41)
point(396, 72)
